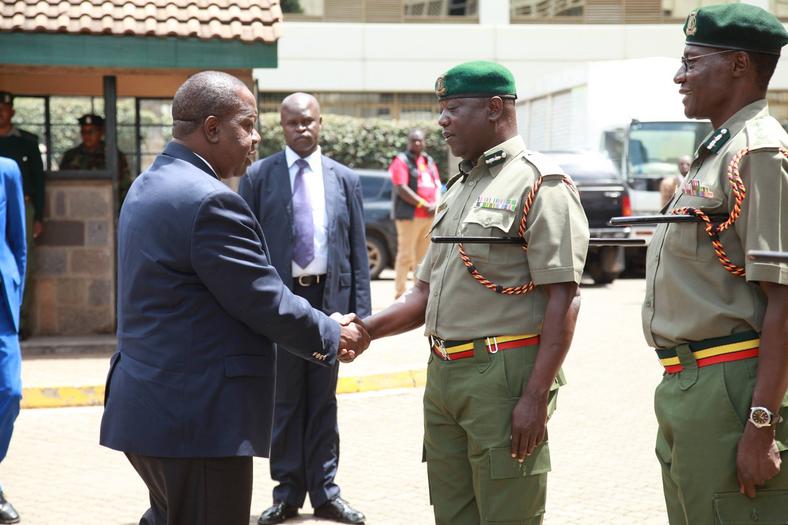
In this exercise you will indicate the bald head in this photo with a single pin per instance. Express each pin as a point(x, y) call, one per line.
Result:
point(202, 95)
point(416, 141)
point(301, 120)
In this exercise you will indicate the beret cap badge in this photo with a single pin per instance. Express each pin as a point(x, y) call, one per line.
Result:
point(440, 86)
point(692, 24)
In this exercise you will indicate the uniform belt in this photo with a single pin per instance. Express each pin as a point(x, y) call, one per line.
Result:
point(309, 280)
point(742, 345)
point(454, 350)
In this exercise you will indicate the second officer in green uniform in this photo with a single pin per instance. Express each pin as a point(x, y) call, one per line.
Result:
point(718, 320)
point(499, 319)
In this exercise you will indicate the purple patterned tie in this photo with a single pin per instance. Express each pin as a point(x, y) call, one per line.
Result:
point(303, 225)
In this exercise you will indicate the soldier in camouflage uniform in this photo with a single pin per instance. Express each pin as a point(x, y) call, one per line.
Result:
point(89, 155)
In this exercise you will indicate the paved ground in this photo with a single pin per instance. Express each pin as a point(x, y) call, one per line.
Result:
point(604, 471)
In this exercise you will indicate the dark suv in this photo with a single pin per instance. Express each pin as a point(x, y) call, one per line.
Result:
point(381, 232)
point(603, 195)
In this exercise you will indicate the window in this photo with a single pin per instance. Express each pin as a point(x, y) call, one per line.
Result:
point(386, 11)
point(608, 11)
point(144, 126)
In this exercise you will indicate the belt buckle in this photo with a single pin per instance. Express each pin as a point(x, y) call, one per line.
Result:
point(438, 342)
point(306, 280)
point(492, 348)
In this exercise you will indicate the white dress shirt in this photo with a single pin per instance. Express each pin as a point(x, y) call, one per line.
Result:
point(313, 179)
point(208, 164)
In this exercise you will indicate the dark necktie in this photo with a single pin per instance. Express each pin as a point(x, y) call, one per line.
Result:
point(303, 225)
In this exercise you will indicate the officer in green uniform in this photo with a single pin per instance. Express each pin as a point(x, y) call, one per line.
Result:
point(90, 155)
point(717, 319)
point(495, 361)
point(22, 146)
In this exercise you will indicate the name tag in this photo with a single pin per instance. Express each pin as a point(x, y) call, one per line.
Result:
point(694, 188)
point(496, 203)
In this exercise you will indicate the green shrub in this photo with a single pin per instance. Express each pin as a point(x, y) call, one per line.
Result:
point(358, 142)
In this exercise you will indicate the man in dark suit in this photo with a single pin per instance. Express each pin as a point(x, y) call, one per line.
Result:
point(12, 274)
point(310, 209)
point(189, 395)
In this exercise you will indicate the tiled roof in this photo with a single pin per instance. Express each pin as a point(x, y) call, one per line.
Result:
point(245, 20)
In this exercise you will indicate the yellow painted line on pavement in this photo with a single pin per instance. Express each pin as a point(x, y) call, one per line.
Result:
point(83, 396)
point(62, 396)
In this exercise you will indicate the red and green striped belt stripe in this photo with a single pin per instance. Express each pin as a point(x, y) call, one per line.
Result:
point(742, 345)
point(454, 350)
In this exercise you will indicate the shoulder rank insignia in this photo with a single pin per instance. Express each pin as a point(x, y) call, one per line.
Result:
point(717, 140)
point(495, 158)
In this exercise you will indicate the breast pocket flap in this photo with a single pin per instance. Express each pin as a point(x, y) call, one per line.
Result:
point(491, 218)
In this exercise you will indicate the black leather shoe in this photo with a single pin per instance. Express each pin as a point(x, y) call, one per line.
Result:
point(277, 513)
point(339, 510)
point(8, 513)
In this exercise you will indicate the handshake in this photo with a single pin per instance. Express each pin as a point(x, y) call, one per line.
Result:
point(353, 336)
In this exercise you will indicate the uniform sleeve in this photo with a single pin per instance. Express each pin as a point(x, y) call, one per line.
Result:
point(425, 266)
point(557, 234)
point(763, 223)
point(37, 172)
point(399, 172)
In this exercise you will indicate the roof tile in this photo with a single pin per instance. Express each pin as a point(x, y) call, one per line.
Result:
point(245, 20)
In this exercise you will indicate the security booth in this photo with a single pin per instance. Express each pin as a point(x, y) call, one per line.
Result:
point(124, 63)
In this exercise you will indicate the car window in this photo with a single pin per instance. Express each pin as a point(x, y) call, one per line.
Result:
point(373, 185)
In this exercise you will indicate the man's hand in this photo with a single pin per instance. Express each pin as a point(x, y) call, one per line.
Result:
point(353, 336)
point(529, 425)
point(757, 458)
point(38, 229)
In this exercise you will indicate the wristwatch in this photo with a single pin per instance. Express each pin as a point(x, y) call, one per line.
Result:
point(761, 417)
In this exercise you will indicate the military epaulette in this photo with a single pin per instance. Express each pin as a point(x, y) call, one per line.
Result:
point(717, 140)
point(765, 134)
point(495, 158)
point(543, 165)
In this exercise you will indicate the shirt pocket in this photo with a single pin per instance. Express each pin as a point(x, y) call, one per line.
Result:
point(690, 240)
point(488, 222)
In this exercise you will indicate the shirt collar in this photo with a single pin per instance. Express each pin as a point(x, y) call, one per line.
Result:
point(496, 158)
point(314, 159)
point(731, 127)
point(207, 164)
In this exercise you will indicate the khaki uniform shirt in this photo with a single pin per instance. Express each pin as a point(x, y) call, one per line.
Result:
point(489, 203)
point(689, 295)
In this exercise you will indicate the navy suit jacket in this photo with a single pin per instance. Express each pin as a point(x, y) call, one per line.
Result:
point(13, 250)
point(199, 310)
point(266, 188)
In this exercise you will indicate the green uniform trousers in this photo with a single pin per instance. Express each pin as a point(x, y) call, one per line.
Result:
point(468, 407)
point(701, 414)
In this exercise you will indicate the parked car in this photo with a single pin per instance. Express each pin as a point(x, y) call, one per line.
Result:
point(380, 228)
point(603, 195)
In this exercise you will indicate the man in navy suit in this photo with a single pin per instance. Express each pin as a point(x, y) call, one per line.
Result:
point(190, 391)
point(310, 209)
point(13, 253)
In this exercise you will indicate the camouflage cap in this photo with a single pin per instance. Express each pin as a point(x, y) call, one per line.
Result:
point(95, 120)
point(742, 27)
point(476, 79)
point(6, 98)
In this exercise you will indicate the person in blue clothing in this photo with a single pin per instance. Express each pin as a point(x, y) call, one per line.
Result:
point(13, 253)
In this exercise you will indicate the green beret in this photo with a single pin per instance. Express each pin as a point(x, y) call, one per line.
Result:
point(91, 119)
point(476, 79)
point(742, 27)
point(6, 98)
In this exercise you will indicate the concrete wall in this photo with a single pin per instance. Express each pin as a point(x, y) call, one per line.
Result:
point(73, 282)
point(409, 57)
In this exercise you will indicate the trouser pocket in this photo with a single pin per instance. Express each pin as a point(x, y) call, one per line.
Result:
point(511, 491)
point(769, 507)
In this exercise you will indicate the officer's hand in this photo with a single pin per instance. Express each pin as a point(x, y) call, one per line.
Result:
point(38, 229)
point(529, 423)
point(757, 458)
point(353, 337)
